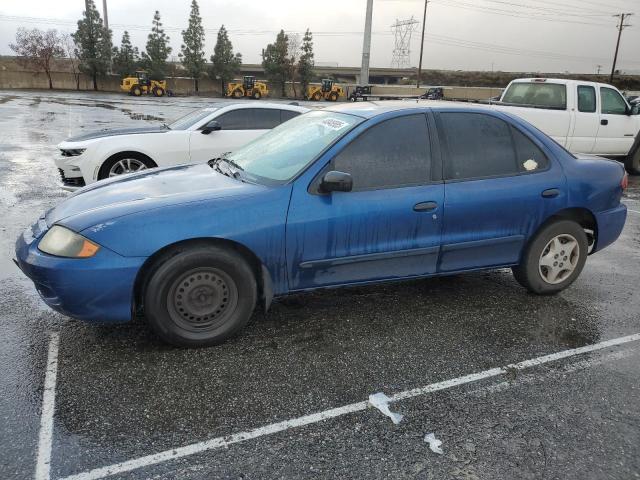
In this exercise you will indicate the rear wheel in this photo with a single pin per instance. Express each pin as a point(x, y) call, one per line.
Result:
point(316, 96)
point(136, 90)
point(237, 93)
point(257, 95)
point(632, 162)
point(553, 259)
point(200, 296)
point(158, 91)
point(333, 96)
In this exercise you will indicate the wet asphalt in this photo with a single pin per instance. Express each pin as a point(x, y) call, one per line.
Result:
point(122, 394)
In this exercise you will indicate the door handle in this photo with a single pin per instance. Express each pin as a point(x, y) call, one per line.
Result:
point(604, 121)
point(425, 206)
point(551, 193)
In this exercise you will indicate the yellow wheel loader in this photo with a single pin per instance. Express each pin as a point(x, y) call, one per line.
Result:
point(248, 88)
point(327, 90)
point(142, 85)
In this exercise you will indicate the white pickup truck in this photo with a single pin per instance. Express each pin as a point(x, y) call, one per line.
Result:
point(585, 117)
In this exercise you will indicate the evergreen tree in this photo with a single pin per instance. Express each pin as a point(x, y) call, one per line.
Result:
point(275, 61)
point(125, 58)
point(157, 51)
point(192, 53)
point(306, 63)
point(225, 64)
point(93, 44)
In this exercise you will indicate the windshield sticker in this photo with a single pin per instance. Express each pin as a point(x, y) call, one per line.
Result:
point(334, 123)
point(530, 165)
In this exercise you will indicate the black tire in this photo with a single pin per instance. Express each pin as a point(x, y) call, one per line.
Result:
point(317, 96)
point(227, 297)
point(158, 91)
point(136, 91)
point(111, 161)
point(530, 272)
point(257, 95)
point(333, 97)
point(632, 162)
point(237, 93)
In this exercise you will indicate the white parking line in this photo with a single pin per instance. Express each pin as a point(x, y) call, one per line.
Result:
point(43, 463)
point(225, 441)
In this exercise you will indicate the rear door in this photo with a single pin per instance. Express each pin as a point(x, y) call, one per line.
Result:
point(387, 227)
point(617, 128)
point(500, 185)
point(239, 127)
point(587, 120)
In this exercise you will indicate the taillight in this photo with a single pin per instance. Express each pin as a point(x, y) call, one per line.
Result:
point(625, 181)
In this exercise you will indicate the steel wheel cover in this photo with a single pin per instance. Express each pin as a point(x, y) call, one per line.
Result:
point(202, 299)
point(559, 259)
point(126, 165)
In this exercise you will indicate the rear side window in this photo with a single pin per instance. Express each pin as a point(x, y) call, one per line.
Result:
point(528, 156)
point(547, 95)
point(394, 153)
point(250, 119)
point(612, 102)
point(586, 99)
point(287, 115)
point(479, 146)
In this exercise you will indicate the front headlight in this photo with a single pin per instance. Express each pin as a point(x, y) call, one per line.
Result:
point(62, 242)
point(72, 152)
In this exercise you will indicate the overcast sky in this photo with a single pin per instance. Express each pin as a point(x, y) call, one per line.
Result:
point(508, 35)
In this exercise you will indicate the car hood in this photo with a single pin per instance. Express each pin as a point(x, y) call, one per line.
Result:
point(115, 132)
point(155, 188)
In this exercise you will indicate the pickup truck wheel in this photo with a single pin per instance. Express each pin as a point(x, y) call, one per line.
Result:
point(200, 296)
point(553, 259)
point(632, 162)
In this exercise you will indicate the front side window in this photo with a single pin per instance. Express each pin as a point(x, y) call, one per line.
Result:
point(393, 153)
point(250, 119)
point(479, 146)
point(612, 102)
point(280, 154)
point(547, 95)
point(586, 99)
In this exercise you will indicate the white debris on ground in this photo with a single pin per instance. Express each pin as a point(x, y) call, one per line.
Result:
point(434, 443)
point(381, 402)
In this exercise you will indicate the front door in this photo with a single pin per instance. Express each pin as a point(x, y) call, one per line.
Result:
point(387, 227)
point(617, 129)
point(499, 187)
point(239, 127)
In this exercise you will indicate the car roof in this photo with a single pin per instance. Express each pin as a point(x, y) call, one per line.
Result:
point(260, 104)
point(561, 81)
point(372, 109)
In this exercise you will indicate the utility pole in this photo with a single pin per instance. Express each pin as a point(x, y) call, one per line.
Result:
point(621, 26)
point(366, 45)
point(106, 17)
point(424, 25)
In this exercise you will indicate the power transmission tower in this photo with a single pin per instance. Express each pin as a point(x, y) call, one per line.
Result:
point(621, 27)
point(402, 30)
point(424, 26)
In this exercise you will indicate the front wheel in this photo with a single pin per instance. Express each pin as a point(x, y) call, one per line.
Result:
point(257, 95)
point(554, 258)
point(200, 296)
point(632, 162)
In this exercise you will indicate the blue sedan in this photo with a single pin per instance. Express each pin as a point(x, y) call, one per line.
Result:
point(348, 195)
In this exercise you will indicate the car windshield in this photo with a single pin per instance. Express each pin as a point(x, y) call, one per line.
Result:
point(283, 152)
point(192, 118)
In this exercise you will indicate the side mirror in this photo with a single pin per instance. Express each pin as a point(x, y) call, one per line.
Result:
point(635, 109)
point(336, 182)
point(212, 126)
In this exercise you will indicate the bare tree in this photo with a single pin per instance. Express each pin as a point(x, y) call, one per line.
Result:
point(294, 51)
point(69, 47)
point(37, 48)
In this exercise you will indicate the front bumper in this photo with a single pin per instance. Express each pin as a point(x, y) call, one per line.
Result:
point(70, 174)
point(610, 224)
point(96, 289)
